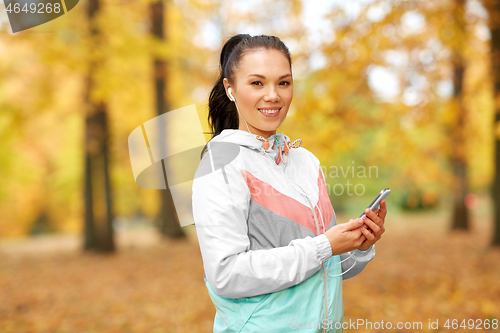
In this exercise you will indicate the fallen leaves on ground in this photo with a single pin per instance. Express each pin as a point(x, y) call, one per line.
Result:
point(421, 273)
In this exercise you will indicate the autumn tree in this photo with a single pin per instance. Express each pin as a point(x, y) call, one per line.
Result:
point(168, 220)
point(97, 189)
point(456, 130)
point(493, 7)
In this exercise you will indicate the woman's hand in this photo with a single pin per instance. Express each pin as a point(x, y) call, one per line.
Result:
point(373, 226)
point(346, 236)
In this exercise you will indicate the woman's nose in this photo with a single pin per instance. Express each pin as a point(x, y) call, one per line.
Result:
point(272, 96)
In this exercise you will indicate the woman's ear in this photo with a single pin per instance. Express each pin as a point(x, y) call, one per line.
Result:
point(226, 87)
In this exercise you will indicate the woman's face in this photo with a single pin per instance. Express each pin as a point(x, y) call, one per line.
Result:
point(263, 90)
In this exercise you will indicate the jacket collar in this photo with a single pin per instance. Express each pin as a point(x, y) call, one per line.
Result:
point(249, 140)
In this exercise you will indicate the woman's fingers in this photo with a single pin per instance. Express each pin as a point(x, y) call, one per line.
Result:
point(367, 233)
point(372, 216)
point(353, 224)
point(372, 225)
point(383, 210)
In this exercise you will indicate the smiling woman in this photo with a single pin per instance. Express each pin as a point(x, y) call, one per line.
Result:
point(272, 252)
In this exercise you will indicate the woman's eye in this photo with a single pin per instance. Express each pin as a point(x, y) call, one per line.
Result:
point(282, 83)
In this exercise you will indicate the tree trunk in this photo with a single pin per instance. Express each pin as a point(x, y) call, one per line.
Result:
point(493, 7)
point(168, 221)
point(460, 216)
point(99, 235)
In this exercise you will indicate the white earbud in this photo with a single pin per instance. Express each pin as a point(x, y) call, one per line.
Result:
point(231, 97)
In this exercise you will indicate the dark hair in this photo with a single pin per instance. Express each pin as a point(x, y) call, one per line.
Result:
point(222, 113)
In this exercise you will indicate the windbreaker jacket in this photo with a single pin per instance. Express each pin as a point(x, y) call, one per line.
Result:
point(261, 229)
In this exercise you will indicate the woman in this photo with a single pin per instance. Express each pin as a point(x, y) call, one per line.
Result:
point(273, 254)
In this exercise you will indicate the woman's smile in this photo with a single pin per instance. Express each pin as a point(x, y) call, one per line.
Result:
point(270, 112)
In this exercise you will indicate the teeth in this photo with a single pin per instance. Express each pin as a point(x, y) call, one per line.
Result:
point(269, 111)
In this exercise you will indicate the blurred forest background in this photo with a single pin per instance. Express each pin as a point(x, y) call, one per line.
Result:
point(411, 88)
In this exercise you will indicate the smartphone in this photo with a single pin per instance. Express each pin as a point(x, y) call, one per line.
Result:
point(376, 202)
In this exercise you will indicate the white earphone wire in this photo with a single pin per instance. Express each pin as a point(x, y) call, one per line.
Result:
point(347, 270)
point(234, 100)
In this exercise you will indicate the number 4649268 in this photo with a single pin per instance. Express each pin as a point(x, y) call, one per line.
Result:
point(472, 324)
point(33, 8)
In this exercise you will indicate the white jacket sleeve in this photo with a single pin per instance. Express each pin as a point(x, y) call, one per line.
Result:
point(220, 209)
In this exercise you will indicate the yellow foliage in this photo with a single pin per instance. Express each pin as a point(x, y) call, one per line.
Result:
point(335, 109)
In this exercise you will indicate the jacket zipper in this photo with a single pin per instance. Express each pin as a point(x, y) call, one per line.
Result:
point(323, 264)
point(317, 233)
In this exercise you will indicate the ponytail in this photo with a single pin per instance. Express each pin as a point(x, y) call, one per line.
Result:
point(222, 112)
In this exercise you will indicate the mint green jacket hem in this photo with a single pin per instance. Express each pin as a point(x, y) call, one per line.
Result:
point(298, 308)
